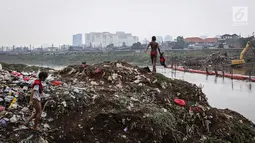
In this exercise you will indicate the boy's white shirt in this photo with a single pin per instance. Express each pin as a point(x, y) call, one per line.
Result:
point(37, 94)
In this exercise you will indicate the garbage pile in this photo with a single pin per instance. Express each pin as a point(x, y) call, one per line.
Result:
point(218, 59)
point(193, 63)
point(117, 102)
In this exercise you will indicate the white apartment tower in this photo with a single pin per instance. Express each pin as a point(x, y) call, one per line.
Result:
point(102, 39)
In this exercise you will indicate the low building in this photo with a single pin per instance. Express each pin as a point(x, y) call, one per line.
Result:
point(75, 48)
point(197, 40)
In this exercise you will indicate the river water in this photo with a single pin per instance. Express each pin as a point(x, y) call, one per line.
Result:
point(221, 93)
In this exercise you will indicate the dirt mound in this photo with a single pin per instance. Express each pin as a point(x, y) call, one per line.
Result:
point(22, 67)
point(117, 102)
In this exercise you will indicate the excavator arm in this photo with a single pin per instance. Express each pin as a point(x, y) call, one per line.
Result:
point(244, 50)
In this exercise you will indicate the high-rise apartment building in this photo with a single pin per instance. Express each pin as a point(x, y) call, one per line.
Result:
point(168, 38)
point(102, 39)
point(77, 40)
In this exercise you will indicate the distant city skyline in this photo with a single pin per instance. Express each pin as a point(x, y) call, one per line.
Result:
point(54, 22)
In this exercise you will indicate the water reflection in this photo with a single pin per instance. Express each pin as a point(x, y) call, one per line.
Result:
point(185, 76)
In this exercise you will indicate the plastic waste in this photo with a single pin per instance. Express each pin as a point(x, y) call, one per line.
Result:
point(26, 78)
point(14, 119)
point(14, 73)
point(8, 98)
point(98, 70)
point(1, 67)
point(56, 83)
point(37, 74)
point(3, 123)
point(64, 103)
point(50, 78)
point(25, 109)
point(12, 105)
point(43, 115)
point(2, 108)
point(180, 102)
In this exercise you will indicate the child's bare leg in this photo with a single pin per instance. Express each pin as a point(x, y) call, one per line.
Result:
point(38, 111)
point(30, 119)
point(154, 64)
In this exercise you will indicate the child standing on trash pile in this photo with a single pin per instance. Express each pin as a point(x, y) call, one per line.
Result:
point(35, 99)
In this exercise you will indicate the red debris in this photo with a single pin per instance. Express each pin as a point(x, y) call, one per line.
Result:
point(180, 102)
point(97, 70)
point(56, 83)
point(2, 108)
point(26, 78)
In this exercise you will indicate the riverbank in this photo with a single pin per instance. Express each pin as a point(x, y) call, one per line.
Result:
point(141, 58)
point(119, 102)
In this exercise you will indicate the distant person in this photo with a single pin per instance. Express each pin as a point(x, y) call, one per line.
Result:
point(162, 59)
point(154, 47)
point(35, 99)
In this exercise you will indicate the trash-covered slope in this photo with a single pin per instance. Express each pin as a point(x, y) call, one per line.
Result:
point(22, 67)
point(117, 102)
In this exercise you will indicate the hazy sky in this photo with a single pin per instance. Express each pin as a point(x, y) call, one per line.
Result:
point(36, 22)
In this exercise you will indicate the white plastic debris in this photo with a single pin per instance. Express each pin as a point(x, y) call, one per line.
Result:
point(50, 119)
point(14, 119)
point(114, 76)
point(137, 81)
point(165, 110)
point(47, 126)
point(134, 99)
point(119, 65)
point(157, 90)
point(21, 127)
point(43, 115)
point(76, 90)
point(109, 78)
point(42, 140)
point(64, 103)
point(25, 88)
point(8, 98)
point(123, 136)
point(94, 83)
point(138, 77)
point(1, 67)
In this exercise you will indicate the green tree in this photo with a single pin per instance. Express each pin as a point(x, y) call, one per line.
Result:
point(137, 45)
point(124, 44)
point(180, 43)
point(110, 46)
